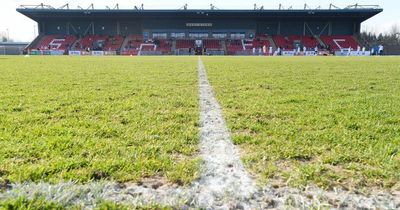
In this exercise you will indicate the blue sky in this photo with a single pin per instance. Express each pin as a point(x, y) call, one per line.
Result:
point(22, 29)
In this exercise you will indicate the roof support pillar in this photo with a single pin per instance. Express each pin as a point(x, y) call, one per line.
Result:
point(279, 28)
point(67, 28)
point(42, 28)
point(355, 30)
point(358, 28)
point(118, 28)
point(304, 28)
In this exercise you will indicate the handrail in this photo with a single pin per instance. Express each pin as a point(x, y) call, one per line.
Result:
point(212, 7)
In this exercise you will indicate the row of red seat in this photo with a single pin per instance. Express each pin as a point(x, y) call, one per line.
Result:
point(164, 46)
point(56, 42)
point(113, 43)
point(190, 43)
point(234, 45)
point(256, 43)
point(184, 43)
point(135, 43)
point(87, 42)
point(61, 42)
point(289, 42)
point(212, 44)
point(340, 42)
point(110, 43)
point(335, 42)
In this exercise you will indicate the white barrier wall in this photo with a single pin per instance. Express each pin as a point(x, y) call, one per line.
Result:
point(93, 53)
point(98, 53)
point(76, 53)
point(352, 53)
point(294, 53)
point(47, 52)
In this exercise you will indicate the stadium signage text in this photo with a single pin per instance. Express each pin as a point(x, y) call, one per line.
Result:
point(199, 24)
point(74, 52)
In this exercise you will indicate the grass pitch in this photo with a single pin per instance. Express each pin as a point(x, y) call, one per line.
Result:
point(92, 118)
point(325, 121)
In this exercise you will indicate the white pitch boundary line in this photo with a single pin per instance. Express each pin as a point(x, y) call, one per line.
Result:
point(224, 179)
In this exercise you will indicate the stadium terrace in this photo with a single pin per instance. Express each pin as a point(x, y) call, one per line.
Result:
point(198, 32)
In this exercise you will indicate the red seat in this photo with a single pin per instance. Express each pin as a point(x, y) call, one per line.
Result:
point(130, 52)
point(148, 48)
point(133, 45)
point(184, 43)
point(136, 43)
point(307, 41)
point(283, 42)
point(87, 41)
point(233, 46)
point(212, 44)
point(56, 42)
point(257, 43)
point(164, 46)
point(113, 43)
point(339, 42)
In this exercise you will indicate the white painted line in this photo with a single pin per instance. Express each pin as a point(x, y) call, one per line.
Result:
point(224, 179)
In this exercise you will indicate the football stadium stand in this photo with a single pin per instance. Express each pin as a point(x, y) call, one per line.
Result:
point(203, 31)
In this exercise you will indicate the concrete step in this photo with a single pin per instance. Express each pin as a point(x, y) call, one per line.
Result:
point(124, 43)
point(35, 42)
point(74, 44)
point(173, 48)
point(223, 45)
point(272, 42)
point(320, 41)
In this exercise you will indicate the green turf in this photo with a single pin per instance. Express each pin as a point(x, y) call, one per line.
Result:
point(92, 118)
point(26, 204)
point(37, 203)
point(329, 121)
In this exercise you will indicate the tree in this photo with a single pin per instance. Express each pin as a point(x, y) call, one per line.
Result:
point(394, 30)
point(3, 37)
point(390, 38)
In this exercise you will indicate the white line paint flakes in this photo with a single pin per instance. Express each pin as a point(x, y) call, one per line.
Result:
point(224, 179)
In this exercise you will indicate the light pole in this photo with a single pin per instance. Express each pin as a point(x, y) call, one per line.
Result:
point(8, 35)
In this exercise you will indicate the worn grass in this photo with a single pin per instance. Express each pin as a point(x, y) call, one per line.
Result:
point(328, 121)
point(89, 118)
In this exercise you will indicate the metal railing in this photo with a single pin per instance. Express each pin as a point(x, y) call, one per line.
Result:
point(212, 7)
